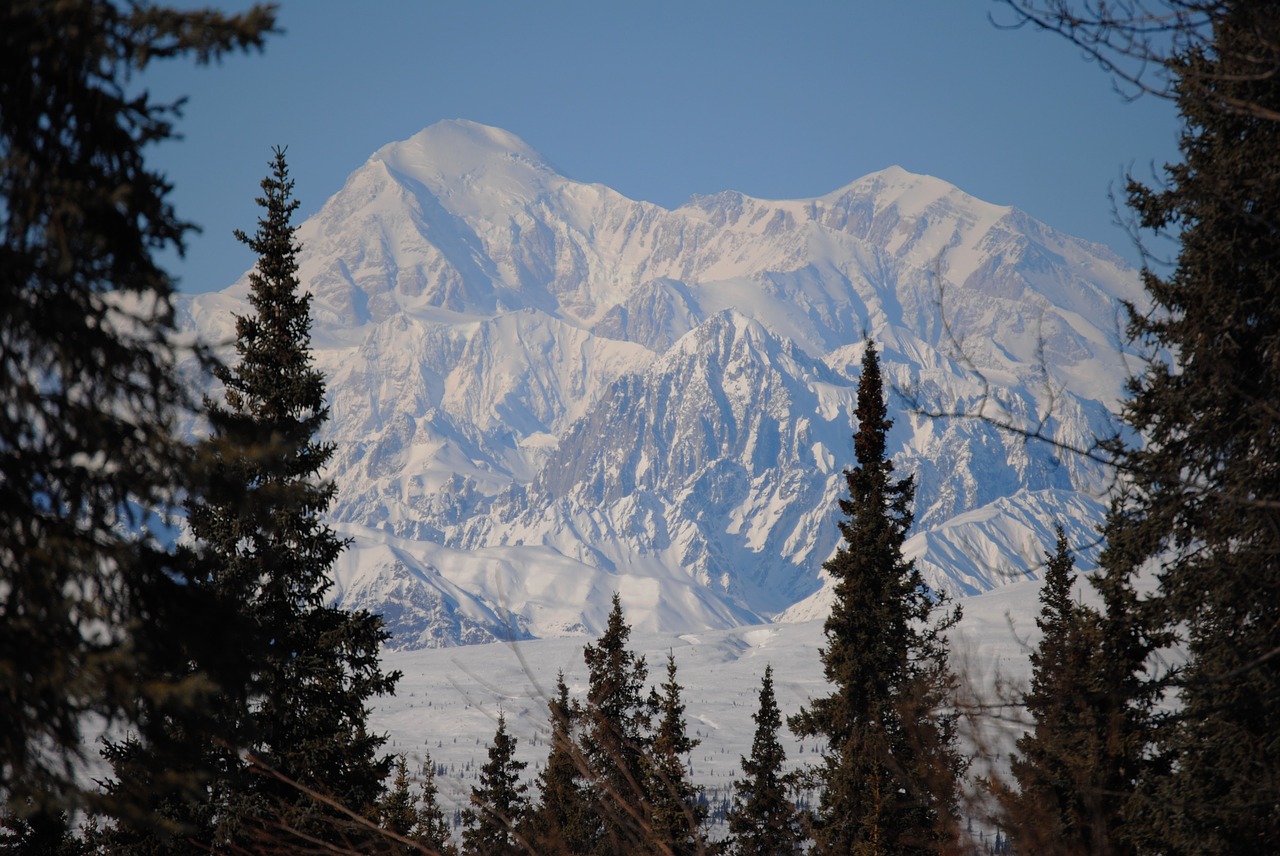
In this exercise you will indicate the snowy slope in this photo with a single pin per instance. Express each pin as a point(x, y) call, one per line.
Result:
point(544, 392)
point(448, 700)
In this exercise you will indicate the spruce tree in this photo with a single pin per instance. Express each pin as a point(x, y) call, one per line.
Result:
point(413, 823)
point(615, 740)
point(39, 833)
point(763, 821)
point(1067, 766)
point(396, 810)
point(889, 772)
point(316, 667)
point(498, 802)
point(1203, 505)
point(96, 607)
point(431, 830)
point(675, 811)
point(561, 822)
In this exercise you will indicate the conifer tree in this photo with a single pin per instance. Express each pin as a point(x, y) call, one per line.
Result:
point(498, 802)
point(763, 821)
point(418, 819)
point(316, 667)
point(397, 811)
point(39, 833)
point(1205, 498)
point(1201, 501)
point(1062, 804)
point(562, 821)
point(615, 739)
point(96, 609)
point(431, 830)
point(675, 812)
point(889, 772)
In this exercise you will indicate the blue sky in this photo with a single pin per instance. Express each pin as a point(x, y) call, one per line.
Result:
point(661, 100)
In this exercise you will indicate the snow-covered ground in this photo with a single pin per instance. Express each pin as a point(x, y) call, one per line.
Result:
point(448, 700)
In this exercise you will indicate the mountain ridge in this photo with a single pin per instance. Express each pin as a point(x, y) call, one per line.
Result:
point(592, 393)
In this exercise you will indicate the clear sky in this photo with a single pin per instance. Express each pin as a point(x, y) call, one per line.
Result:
point(662, 99)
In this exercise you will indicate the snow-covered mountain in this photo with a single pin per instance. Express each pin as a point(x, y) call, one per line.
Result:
point(544, 392)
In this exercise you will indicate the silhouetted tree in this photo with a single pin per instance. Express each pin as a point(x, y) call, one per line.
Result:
point(397, 811)
point(498, 802)
point(889, 772)
point(1067, 765)
point(675, 811)
point(615, 740)
point(763, 821)
point(38, 833)
point(95, 609)
point(316, 667)
point(432, 830)
point(1205, 498)
point(562, 820)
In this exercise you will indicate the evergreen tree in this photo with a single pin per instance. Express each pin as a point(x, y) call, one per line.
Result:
point(562, 821)
point(38, 833)
point(316, 666)
point(615, 740)
point(1201, 504)
point(1067, 765)
point(397, 811)
point(498, 802)
point(96, 608)
point(432, 830)
point(763, 821)
point(889, 773)
point(1204, 497)
point(674, 808)
point(414, 823)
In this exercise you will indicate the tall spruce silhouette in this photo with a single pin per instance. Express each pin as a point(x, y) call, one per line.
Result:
point(616, 740)
point(1064, 802)
point(675, 811)
point(316, 667)
point(889, 770)
point(562, 820)
point(1205, 484)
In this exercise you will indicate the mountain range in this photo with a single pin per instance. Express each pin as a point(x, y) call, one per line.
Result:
point(543, 392)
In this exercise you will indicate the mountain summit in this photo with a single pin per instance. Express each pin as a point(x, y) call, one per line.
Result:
point(544, 392)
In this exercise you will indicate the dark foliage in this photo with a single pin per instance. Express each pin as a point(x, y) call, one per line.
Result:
point(888, 778)
point(316, 667)
point(93, 603)
point(414, 823)
point(763, 820)
point(432, 830)
point(674, 808)
point(1079, 754)
point(615, 739)
point(498, 802)
point(38, 833)
point(562, 820)
point(1205, 499)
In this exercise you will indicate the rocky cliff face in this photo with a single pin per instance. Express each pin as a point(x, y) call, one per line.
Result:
point(544, 392)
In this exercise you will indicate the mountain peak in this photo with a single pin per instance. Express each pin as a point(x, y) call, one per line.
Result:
point(912, 193)
point(545, 392)
point(461, 149)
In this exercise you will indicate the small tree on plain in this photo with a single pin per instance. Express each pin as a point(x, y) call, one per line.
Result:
point(615, 741)
point(763, 821)
point(498, 801)
point(676, 813)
